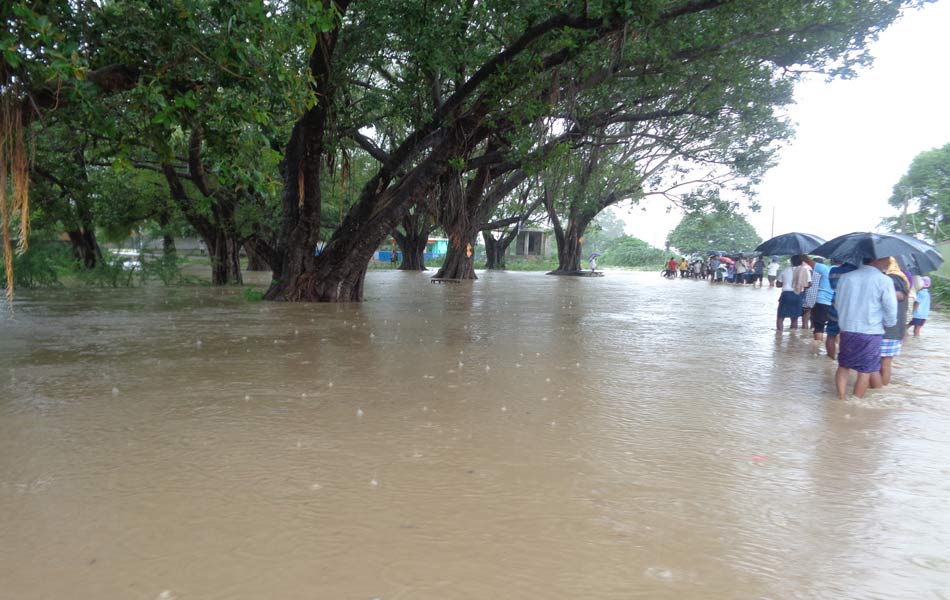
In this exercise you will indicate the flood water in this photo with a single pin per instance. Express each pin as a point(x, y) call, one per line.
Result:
point(522, 436)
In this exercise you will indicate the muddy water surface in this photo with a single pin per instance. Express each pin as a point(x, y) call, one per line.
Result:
point(523, 436)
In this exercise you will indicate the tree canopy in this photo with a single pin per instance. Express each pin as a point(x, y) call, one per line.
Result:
point(284, 125)
point(923, 195)
point(721, 230)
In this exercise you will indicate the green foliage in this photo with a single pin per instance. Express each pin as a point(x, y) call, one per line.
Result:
point(923, 192)
point(525, 263)
point(720, 230)
point(940, 292)
point(112, 271)
point(253, 294)
point(628, 251)
point(165, 268)
point(602, 232)
point(41, 265)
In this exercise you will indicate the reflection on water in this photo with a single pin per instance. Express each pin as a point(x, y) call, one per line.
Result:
point(522, 436)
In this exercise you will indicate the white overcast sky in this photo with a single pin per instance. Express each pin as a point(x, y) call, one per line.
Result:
point(854, 138)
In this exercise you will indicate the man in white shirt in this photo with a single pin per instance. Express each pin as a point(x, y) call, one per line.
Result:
point(866, 304)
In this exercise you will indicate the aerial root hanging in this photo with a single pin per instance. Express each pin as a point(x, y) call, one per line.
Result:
point(14, 183)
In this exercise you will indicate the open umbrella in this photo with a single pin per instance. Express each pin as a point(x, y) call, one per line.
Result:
point(595, 254)
point(790, 244)
point(726, 259)
point(855, 247)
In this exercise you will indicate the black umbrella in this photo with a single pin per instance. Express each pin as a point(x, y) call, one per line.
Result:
point(855, 247)
point(928, 259)
point(790, 244)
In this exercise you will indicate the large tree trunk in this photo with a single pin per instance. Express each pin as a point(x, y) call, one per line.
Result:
point(569, 240)
point(460, 258)
point(570, 248)
point(494, 252)
point(337, 275)
point(413, 240)
point(168, 241)
point(224, 252)
point(255, 260)
point(85, 247)
point(168, 246)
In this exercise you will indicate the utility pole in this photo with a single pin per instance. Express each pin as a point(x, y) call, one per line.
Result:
point(772, 235)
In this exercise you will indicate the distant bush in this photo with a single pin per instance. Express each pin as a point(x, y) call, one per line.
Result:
point(524, 263)
point(940, 292)
point(627, 251)
point(253, 294)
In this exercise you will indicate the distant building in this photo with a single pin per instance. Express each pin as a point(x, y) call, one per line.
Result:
point(531, 242)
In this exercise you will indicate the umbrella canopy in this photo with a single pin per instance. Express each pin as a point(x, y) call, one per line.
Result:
point(726, 259)
point(790, 244)
point(855, 247)
point(595, 254)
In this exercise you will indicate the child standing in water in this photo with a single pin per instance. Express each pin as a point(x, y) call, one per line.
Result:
point(921, 307)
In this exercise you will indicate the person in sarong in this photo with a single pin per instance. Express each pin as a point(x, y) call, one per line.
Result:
point(866, 304)
point(790, 302)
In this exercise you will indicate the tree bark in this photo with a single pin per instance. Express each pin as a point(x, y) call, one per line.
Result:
point(413, 239)
point(494, 252)
point(255, 260)
point(295, 262)
point(85, 247)
point(570, 248)
point(569, 240)
point(217, 232)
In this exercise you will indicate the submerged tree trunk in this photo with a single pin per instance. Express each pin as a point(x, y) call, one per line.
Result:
point(494, 252)
point(168, 246)
point(413, 239)
point(224, 253)
point(459, 259)
point(85, 247)
point(569, 240)
point(217, 232)
point(569, 248)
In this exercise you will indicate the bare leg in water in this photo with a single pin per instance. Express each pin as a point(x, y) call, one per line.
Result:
point(831, 346)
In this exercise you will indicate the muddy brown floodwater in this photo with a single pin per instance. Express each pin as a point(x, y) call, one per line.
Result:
point(523, 436)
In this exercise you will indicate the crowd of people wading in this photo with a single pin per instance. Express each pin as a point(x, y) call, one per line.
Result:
point(845, 306)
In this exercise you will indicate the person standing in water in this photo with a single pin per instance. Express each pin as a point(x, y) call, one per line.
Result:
point(866, 304)
point(921, 307)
